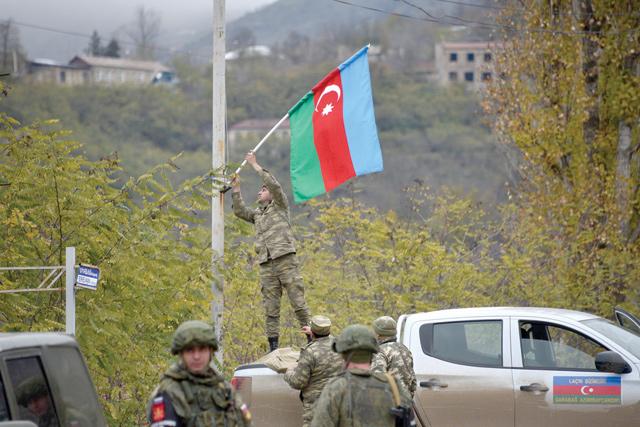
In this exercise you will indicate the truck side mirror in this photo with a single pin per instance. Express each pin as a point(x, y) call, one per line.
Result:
point(610, 361)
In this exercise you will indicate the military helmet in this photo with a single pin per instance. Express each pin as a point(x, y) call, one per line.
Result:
point(355, 337)
point(31, 388)
point(385, 326)
point(191, 333)
point(320, 325)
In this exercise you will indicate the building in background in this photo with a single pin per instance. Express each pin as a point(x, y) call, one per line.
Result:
point(244, 135)
point(84, 70)
point(470, 63)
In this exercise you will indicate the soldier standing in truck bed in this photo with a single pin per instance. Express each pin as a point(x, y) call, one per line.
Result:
point(317, 364)
point(276, 250)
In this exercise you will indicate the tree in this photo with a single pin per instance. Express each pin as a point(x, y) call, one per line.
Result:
point(95, 45)
point(144, 32)
point(569, 99)
point(112, 49)
point(11, 53)
point(155, 261)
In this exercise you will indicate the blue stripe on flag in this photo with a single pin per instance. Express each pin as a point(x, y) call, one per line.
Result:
point(359, 116)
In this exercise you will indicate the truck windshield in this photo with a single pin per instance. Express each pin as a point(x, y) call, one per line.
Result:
point(623, 337)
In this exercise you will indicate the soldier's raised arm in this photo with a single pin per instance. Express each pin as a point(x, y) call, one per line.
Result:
point(239, 208)
point(269, 181)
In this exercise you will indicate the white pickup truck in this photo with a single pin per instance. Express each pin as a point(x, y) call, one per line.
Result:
point(498, 367)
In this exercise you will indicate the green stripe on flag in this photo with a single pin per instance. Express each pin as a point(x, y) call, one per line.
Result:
point(306, 175)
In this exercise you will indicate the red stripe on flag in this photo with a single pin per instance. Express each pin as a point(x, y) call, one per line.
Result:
point(593, 390)
point(329, 135)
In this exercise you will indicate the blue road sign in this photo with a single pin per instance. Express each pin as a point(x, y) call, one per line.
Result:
point(88, 277)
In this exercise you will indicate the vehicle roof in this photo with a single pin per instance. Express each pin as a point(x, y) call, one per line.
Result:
point(502, 311)
point(17, 340)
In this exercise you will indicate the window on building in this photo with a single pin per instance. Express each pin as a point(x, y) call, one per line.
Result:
point(453, 76)
point(486, 76)
point(63, 76)
point(487, 57)
point(468, 76)
point(453, 57)
point(471, 57)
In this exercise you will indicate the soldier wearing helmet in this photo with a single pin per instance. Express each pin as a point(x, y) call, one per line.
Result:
point(393, 357)
point(359, 397)
point(191, 391)
point(317, 364)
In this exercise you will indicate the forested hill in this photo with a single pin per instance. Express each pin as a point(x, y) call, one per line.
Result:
point(428, 134)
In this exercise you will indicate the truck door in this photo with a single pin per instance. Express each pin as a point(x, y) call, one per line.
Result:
point(557, 384)
point(463, 373)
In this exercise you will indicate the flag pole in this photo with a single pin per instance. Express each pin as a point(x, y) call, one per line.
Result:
point(257, 147)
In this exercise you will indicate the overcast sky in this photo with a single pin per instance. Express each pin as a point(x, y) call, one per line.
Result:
point(107, 17)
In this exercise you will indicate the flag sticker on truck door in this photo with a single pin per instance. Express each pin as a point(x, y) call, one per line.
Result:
point(594, 390)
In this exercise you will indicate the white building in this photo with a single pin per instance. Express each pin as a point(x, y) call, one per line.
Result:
point(82, 70)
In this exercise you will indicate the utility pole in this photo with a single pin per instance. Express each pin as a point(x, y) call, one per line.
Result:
point(218, 157)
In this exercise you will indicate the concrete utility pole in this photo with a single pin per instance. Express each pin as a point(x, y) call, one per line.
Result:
point(218, 151)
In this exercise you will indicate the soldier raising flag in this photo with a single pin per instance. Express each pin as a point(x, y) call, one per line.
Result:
point(279, 268)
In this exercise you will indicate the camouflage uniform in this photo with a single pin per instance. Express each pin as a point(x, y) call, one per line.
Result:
point(396, 358)
point(318, 363)
point(393, 357)
point(358, 397)
point(276, 253)
point(185, 399)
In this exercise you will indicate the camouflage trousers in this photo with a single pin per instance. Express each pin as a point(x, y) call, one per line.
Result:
point(275, 275)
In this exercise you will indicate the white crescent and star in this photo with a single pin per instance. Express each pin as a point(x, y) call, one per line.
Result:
point(328, 108)
point(588, 390)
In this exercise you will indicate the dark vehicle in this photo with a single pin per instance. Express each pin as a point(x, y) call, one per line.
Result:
point(44, 382)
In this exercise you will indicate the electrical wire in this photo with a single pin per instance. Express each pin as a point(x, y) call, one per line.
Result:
point(478, 24)
point(88, 36)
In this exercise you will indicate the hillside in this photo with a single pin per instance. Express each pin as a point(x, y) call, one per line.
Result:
point(280, 22)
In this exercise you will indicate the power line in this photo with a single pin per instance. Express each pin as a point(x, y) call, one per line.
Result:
point(478, 24)
point(480, 6)
point(490, 7)
point(88, 36)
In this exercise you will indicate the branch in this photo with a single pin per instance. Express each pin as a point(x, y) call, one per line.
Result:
point(55, 182)
point(634, 236)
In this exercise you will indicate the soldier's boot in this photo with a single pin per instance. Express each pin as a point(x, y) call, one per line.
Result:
point(273, 343)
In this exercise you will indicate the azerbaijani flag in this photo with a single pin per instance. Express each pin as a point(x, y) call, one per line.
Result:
point(598, 390)
point(333, 131)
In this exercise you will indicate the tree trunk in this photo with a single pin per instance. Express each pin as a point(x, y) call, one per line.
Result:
point(586, 22)
point(623, 177)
